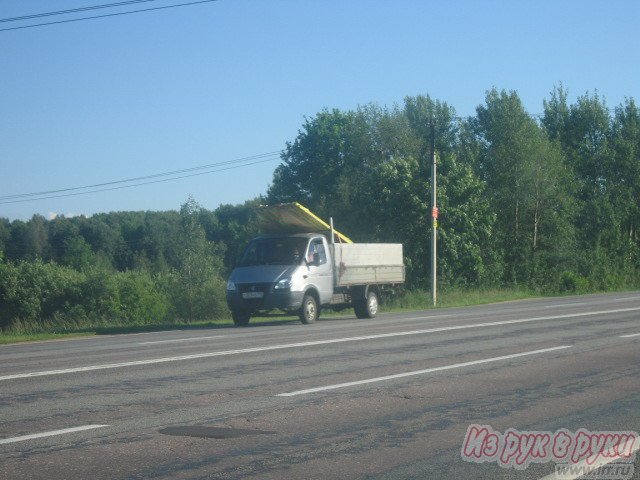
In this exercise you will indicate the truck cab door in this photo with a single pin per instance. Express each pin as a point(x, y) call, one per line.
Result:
point(319, 268)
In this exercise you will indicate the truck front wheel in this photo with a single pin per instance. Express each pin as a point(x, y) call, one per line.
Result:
point(309, 311)
point(367, 307)
point(240, 317)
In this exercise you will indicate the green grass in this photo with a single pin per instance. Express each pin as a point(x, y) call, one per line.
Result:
point(421, 299)
point(16, 337)
point(34, 337)
point(409, 301)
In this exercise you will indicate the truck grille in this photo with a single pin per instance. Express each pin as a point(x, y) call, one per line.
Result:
point(261, 290)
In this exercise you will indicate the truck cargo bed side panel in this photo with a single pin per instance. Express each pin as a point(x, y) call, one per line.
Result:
point(368, 263)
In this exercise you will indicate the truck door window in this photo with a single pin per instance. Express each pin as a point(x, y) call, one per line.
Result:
point(317, 246)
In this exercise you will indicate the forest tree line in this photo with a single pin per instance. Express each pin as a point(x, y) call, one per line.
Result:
point(549, 202)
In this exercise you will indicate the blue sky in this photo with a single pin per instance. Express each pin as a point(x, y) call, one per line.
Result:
point(100, 100)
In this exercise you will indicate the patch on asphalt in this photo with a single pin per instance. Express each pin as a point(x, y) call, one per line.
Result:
point(211, 432)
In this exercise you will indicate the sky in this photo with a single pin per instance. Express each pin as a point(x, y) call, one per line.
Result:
point(101, 100)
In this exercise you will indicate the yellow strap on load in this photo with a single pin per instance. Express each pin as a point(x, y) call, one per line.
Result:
point(293, 218)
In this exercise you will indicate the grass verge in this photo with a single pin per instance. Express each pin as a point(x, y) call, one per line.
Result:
point(421, 299)
point(116, 329)
point(41, 336)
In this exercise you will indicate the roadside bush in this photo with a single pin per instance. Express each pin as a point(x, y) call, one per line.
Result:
point(571, 282)
point(139, 300)
point(37, 296)
point(196, 299)
point(31, 292)
point(100, 294)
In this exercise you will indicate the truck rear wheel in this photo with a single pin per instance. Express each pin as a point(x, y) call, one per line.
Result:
point(240, 317)
point(367, 307)
point(309, 311)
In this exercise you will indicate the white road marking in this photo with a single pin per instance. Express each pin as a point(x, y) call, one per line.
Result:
point(50, 434)
point(621, 299)
point(305, 344)
point(434, 317)
point(419, 372)
point(182, 340)
point(574, 304)
point(582, 469)
point(629, 336)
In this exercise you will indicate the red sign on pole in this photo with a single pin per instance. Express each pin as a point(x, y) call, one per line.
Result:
point(434, 212)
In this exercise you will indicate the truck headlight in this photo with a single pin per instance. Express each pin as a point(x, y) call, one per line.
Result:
point(284, 284)
point(231, 287)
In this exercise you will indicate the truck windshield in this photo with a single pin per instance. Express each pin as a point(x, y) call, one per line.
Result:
point(274, 251)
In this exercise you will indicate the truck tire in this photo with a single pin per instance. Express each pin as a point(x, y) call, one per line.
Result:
point(240, 317)
point(367, 307)
point(309, 311)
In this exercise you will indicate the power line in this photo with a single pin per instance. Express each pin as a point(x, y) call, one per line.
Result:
point(108, 15)
point(144, 177)
point(142, 183)
point(73, 10)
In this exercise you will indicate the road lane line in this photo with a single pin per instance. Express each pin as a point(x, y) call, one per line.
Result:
point(582, 469)
point(419, 372)
point(629, 336)
point(573, 304)
point(306, 344)
point(568, 315)
point(182, 340)
point(50, 434)
point(433, 317)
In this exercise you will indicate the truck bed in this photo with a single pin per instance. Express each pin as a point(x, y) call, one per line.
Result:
point(367, 263)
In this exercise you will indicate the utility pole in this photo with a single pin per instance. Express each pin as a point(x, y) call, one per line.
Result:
point(434, 215)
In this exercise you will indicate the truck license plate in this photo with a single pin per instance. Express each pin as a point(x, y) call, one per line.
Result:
point(253, 295)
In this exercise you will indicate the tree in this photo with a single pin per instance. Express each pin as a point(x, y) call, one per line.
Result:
point(555, 120)
point(624, 182)
point(197, 288)
point(598, 153)
point(5, 234)
point(35, 239)
point(235, 225)
point(465, 222)
point(527, 185)
point(328, 167)
point(77, 253)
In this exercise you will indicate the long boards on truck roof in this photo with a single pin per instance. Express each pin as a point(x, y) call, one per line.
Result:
point(294, 218)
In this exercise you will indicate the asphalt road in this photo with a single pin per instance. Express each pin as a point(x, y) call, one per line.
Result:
point(344, 398)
